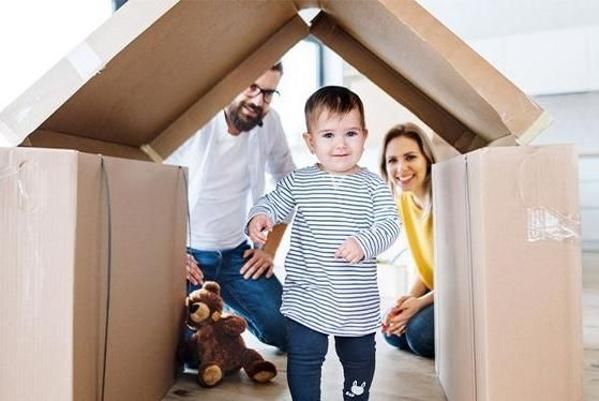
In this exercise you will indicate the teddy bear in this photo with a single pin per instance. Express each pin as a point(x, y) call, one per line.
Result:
point(217, 340)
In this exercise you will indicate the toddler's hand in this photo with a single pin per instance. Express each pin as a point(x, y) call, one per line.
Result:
point(259, 227)
point(350, 250)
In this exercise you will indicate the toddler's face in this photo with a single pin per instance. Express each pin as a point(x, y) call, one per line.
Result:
point(337, 140)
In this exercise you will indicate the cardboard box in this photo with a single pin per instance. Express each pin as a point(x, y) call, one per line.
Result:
point(91, 257)
point(508, 275)
point(158, 70)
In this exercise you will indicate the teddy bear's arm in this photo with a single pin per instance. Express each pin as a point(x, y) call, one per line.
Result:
point(205, 333)
point(233, 325)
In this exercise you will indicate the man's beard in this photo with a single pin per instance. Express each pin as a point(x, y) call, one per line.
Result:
point(242, 122)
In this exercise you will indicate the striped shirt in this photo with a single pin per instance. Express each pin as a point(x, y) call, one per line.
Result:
point(329, 295)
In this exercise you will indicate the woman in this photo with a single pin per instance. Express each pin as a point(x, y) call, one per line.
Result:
point(406, 163)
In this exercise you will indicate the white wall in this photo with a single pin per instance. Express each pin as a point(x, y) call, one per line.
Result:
point(543, 46)
point(479, 19)
point(547, 62)
point(35, 34)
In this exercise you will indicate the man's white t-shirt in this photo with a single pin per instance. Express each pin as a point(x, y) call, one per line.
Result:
point(227, 175)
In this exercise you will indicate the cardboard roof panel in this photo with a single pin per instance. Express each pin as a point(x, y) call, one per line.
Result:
point(166, 69)
point(395, 84)
point(252, 66)
point(160, 74)
point(26, 113)
point(146, 80)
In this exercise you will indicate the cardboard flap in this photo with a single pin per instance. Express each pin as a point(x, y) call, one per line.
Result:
point(49, 139)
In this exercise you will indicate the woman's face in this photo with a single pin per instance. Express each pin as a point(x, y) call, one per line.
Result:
point(406, 165)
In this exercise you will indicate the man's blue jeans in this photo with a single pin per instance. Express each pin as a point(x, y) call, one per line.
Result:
point(306, 352)
point(257, 301)
point(419, 337)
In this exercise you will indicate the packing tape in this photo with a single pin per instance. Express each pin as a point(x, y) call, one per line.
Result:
point(508, 140)
point(152, 154)
point(8, 138)
point(535, 129)
point(85, 61)
point(546, 222)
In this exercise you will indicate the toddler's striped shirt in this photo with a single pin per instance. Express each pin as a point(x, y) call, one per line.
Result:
point(330, 295)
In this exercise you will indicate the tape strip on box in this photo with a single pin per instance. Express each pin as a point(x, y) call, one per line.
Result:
point(8, 138)
point(85, 61)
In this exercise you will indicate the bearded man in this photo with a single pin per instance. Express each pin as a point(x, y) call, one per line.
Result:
point(228, 160)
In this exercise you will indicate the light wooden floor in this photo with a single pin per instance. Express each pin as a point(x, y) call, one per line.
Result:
point(399, 376)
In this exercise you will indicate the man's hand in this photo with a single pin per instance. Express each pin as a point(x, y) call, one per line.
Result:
point(258, 228)
point(194, 274)
point(350, 250)
point(258, 262)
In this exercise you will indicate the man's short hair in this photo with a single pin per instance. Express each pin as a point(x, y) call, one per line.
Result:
point(334, 99)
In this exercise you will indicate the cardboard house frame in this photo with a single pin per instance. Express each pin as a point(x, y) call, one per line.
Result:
point(156, 71)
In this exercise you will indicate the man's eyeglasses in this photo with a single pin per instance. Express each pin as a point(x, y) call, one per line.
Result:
point(267, 94)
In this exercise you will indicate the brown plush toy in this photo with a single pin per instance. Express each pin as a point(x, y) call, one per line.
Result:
point(217, 340)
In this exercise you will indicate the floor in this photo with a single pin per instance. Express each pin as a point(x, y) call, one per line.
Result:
point(399, 376)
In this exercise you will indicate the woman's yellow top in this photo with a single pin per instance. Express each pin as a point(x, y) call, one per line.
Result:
point(418, 226)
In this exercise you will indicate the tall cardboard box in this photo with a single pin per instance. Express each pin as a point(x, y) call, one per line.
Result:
point(508, 275)
point(91, 276)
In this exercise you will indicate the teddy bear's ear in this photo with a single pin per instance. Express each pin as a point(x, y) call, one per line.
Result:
point(191, 296)
point(212, 286)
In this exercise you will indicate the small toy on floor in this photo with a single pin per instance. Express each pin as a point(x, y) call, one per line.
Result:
point(217, 340)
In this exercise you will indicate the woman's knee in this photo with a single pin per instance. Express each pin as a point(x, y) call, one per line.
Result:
point(420, 333)
point(421, 344)
point(395, 340)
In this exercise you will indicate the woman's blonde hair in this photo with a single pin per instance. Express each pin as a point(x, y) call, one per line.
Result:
point(414, 132)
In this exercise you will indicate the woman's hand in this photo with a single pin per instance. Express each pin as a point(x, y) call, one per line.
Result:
point(397, 319)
